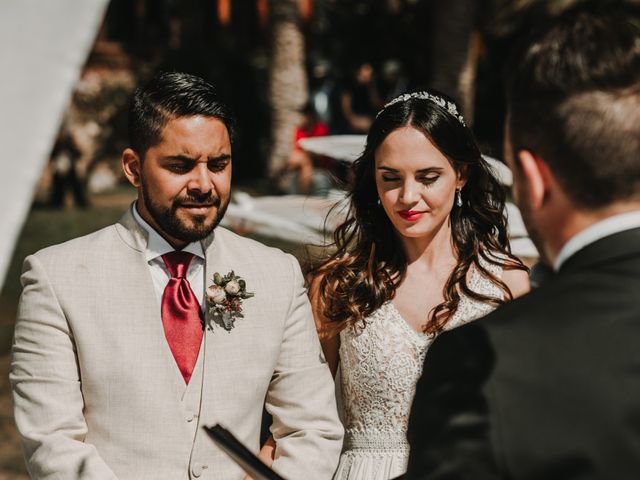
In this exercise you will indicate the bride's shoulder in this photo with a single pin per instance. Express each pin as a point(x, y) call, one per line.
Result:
point(515, 277)
point(517, 280)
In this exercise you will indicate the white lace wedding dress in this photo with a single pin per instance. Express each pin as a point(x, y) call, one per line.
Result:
point(379, 367)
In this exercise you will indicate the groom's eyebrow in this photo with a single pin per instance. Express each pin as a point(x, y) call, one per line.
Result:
point(181, 158)
point(220, 158)
point(185, 158)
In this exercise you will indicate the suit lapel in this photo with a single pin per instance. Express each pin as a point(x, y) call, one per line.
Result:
point(214, 262)
point(222, 256)
point(131, 233)
point(223, 348)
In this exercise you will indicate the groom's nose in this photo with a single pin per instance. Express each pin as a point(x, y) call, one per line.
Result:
point(200, 179)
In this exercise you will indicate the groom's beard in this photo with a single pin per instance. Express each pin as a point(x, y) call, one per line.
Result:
point(170, 223)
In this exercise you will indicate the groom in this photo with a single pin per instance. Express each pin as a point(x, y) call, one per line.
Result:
point(125, 346)
point(548, 385)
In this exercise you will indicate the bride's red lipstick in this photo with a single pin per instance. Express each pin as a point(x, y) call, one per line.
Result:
point(410, 215)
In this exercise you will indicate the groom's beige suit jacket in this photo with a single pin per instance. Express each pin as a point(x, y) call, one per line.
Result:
point(98, 395)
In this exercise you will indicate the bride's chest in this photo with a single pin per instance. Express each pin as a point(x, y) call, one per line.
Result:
point(382, 343)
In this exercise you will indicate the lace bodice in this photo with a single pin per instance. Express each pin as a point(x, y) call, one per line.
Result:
point(380, 363)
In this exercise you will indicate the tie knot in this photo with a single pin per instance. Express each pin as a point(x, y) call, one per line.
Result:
point(177, 263)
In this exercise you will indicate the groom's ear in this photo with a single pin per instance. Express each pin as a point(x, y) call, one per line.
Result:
point(534, 175)
point(131, 165)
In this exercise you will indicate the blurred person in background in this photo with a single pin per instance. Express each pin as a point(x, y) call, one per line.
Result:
point(304, 177)
point(393, 81)
point(64, 160)
point(322, 89)
point(359, 101)
point(424, 249)
point(548, 386)
point(131, 339)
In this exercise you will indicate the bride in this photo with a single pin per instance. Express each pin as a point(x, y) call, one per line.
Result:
point(424, 249)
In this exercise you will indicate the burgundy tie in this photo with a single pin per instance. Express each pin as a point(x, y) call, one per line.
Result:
point(181, 315)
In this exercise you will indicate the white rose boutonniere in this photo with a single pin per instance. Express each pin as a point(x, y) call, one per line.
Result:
point(224, 298)
point(232, 288)
point(216, 294)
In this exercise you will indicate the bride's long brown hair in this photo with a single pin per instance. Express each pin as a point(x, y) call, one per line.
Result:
point(368, 261)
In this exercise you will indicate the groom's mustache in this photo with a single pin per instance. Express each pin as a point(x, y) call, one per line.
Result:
point(208, 200)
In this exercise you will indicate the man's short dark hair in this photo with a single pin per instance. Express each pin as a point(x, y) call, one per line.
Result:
point(574, 100)
point(167, 96)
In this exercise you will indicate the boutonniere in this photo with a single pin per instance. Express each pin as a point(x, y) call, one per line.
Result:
point(225, 296)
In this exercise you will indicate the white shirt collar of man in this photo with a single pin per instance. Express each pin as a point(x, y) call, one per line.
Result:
point(158, 246)
point(601, 229)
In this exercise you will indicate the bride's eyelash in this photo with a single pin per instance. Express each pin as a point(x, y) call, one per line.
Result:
point(429, 180)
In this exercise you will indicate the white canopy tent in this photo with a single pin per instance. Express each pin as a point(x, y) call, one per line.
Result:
point(43, 46)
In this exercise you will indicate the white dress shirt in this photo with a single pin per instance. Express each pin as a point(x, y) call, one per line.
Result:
point(158, 246)
point(601, 229)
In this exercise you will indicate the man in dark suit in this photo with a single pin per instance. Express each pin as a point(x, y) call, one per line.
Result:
point(548, 386)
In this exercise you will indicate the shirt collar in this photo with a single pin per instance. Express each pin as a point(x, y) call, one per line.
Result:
point(158, 246)
point(601, 229)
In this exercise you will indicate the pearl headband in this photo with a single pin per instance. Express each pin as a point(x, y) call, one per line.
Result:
point(447, 105)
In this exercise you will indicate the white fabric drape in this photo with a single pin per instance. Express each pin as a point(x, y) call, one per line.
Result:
point(43, 46)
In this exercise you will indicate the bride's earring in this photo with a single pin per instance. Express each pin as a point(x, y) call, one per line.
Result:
point(458, 197)
point(379, 202)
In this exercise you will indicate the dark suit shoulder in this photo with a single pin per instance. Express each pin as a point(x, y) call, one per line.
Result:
point(572, 300)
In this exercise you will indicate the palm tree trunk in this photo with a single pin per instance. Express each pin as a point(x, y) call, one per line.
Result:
point(455, 50)
point(288, 80)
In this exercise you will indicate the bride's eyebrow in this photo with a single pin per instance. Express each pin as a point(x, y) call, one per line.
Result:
point(431, 170)
point(422, 170)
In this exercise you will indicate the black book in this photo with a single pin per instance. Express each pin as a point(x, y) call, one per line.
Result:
point(249, 462)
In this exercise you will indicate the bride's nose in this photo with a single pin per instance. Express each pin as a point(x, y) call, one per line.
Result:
point(409, 192)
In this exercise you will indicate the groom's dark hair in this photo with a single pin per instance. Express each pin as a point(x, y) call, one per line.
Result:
point(167, 96)
point(574, 100)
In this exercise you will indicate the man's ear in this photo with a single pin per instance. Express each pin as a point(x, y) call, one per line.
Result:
point(535, 175)
point(131, 165)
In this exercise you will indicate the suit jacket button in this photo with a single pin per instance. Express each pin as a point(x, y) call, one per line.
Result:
point(196, 469)
point(191, 417)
